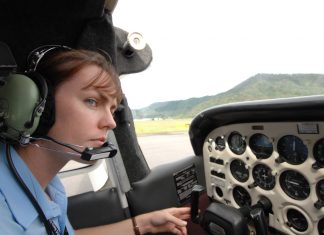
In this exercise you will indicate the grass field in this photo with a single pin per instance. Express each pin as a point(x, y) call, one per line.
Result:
point(161, 126)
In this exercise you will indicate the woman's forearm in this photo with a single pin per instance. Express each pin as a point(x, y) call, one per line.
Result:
point(124, 227)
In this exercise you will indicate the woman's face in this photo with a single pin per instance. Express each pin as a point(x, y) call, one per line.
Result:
point(83, 116)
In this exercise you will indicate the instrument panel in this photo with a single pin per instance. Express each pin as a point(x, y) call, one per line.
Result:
point(282, 161)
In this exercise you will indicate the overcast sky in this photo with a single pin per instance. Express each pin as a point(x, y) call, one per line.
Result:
point(208, 46)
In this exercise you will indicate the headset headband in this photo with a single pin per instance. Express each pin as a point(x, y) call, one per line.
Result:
point(36, 55)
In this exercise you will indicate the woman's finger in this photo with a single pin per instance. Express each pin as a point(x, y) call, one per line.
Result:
point(178, 222)
point(182, 212)
point(179, 231)
point(178, 211)
point(183, 230)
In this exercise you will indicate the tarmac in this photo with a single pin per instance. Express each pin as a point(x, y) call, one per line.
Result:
point(164, 148)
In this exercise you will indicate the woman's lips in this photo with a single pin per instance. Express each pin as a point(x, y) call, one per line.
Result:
point(99, 141)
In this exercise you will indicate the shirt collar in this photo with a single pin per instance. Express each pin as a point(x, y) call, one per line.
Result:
point(16, 198)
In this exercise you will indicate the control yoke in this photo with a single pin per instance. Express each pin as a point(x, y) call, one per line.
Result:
point(221, 219)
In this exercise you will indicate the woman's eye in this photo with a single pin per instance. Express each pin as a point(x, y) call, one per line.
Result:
point(91, 102)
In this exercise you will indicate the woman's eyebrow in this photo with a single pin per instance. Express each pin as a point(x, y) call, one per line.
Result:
point(104, 93)
point(96, 90)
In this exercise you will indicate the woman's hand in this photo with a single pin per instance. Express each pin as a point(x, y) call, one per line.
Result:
point(167, 220)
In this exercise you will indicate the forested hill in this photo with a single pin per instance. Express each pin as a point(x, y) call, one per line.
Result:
point(260, 86)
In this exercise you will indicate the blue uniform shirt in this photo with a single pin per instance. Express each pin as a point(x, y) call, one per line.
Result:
point(17, 214)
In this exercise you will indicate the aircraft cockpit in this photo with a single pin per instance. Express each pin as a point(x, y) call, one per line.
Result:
point(257, 166)
point(265, 155)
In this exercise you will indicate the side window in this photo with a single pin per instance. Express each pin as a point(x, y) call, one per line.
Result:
point(163, 140)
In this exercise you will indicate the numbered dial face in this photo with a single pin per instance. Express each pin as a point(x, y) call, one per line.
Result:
point(239, 170)
point(261, 146)
point(320, 190)
point(318, 151)
point(263, 177)
point(241, 196)
point(297, 220)
point(220, 143)
point(292, 149)
point(320, 227)
point(294, 185)
point(237, 143)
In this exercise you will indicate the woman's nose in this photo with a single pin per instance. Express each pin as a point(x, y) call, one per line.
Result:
point(108, 120)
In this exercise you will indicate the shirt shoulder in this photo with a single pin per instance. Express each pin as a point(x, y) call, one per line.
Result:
point(9, 226)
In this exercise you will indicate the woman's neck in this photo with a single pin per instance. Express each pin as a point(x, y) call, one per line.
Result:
point(43, 163)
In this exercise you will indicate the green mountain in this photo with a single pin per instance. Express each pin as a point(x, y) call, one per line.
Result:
point(260, 86)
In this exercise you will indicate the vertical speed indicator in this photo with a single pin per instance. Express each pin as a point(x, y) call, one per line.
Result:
point(237, 143)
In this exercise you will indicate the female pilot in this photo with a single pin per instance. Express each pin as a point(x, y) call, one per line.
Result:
point(85, 94)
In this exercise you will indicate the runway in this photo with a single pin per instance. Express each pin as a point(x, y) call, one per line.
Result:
point(164, 148)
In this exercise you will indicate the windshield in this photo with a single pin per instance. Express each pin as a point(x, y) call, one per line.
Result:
point(213, 52)
point(209, 47)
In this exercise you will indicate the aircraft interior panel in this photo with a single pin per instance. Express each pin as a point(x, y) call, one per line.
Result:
point(279, 162)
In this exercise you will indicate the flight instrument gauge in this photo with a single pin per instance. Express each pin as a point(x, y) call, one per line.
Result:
point(292, 149)
point(320, 227)
point(320, 190)
point(318, 151)
point(263, 177)
point(237, 143)
point(241, 196)
point(294, 185)
point(220, 143)
point(261, 146)
point(297, 220)
point(239, 170)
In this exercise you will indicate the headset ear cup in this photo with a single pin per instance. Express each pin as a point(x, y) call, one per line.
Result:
point(43, 90)
point(19, 96)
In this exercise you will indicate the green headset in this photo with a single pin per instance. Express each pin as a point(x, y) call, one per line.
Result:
point(23, 98)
